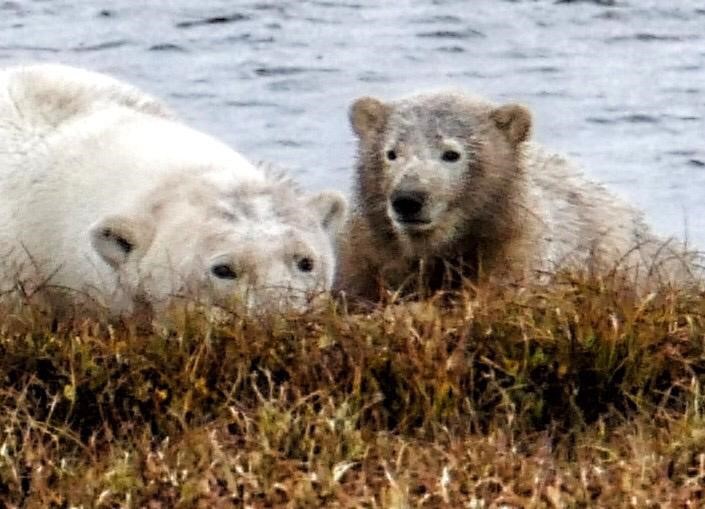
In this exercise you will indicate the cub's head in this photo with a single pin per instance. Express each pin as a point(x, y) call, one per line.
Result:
point(260, 244)
point(430, 165)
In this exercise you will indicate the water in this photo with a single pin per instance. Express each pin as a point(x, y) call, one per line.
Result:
point(617, 84)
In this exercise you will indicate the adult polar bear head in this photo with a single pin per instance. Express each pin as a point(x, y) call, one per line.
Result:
point(256, 242)
point(106, 194)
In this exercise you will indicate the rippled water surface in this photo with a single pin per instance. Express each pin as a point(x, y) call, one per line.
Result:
point(617, 84)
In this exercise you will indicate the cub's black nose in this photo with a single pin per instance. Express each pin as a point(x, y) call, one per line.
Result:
point(408, 204)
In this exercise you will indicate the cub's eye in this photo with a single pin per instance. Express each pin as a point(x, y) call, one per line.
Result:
point(391, 155)
point(223, 271)
point(305, 264)
point(450, 156)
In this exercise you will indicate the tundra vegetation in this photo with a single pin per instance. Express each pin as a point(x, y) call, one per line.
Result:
point(576, 393)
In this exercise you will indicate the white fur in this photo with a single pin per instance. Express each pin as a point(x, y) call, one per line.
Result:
point(78, 149)
point(577, 221)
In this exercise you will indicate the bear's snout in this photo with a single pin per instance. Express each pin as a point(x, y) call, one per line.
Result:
point(408, 205)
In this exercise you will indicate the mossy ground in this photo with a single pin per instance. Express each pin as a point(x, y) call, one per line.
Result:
point(575, 394)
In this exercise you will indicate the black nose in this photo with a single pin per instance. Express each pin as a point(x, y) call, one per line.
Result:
point(408, 204)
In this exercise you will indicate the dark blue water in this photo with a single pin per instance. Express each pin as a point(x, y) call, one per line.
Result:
point(619, 85)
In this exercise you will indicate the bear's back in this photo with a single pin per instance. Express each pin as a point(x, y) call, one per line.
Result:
point(43, 96)
point(582, 221)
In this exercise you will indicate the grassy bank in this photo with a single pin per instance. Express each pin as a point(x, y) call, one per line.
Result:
point(575, 395)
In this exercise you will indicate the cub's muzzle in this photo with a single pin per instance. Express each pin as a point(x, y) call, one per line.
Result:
point(409, 207)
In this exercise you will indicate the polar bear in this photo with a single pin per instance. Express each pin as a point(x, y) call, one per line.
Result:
point(449, 185)
point(105, 194)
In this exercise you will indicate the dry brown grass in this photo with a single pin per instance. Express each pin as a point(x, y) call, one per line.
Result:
point(577, 394)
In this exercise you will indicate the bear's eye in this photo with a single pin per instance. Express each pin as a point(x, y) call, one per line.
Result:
point(450, 156)
point(223, 271)
point(305, 264)
point(391, 155)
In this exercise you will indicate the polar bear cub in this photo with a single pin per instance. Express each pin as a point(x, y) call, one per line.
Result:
point(450, 186)
point(105, 194)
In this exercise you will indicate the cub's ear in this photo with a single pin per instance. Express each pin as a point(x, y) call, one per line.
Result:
point(514, 120)
point(368, 116)
point(119, 238)
point(331, 208)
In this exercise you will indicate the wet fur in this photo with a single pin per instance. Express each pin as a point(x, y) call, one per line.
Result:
point(520, 210)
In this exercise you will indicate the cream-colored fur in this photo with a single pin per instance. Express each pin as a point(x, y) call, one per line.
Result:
point(103, 193)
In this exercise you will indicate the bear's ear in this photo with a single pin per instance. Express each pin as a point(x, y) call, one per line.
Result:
point(331, 208)
point(514, 120)
point(119, 238)
point(368, 116)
